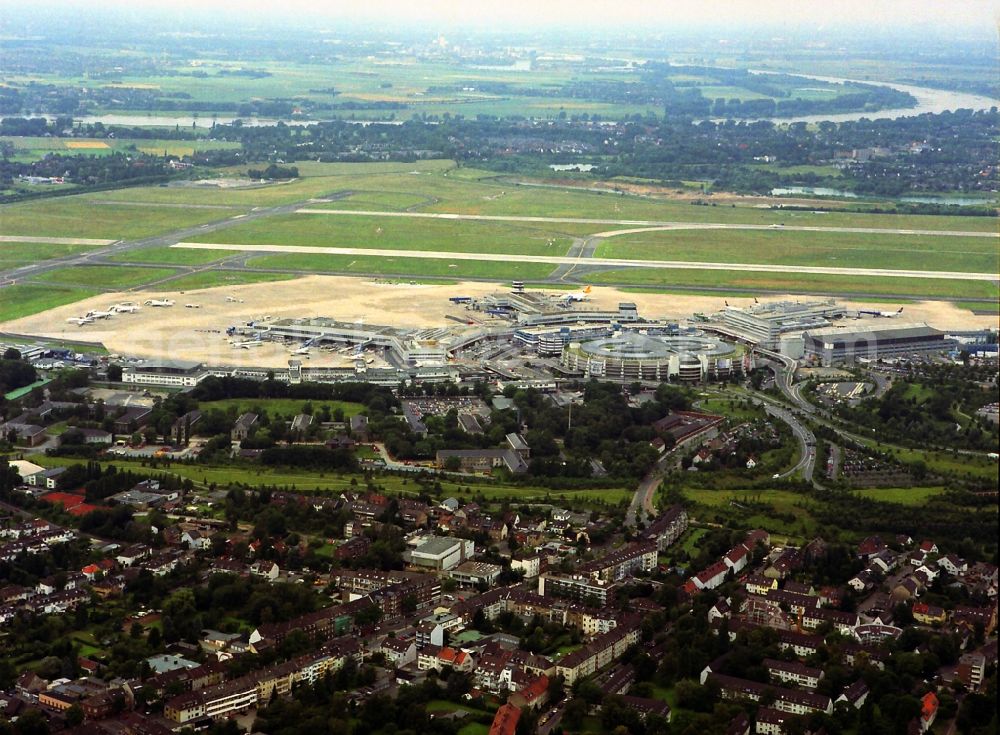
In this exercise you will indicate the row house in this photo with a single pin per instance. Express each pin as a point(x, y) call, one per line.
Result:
point(793, 672)
point(667, 527)
point(600, 652)
point(242, 694)
point(624, 562)
point(791, 701)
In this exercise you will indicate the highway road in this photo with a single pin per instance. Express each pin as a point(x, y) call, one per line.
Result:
point(606, 262)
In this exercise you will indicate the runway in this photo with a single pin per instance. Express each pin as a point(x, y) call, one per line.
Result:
point(642, 225)
point(603, 262)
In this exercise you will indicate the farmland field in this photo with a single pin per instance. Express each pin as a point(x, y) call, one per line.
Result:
point(29, 147)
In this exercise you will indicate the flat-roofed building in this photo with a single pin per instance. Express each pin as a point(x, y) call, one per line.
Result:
point(442, 553)
point(184, 373)
point(880, 341)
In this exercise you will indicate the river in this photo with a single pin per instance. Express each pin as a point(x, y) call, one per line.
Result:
point(928, 100)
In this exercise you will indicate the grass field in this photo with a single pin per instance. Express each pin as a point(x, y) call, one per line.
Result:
point(254, 476)
point(82, 216)
point(23, 299)
point(16, 254)
point(842, 250)
point(216, 279)
point(171, 256)
point(440, 186)
point(393, 233)
point(375, 264)
point(805, 283)
point(781, 502)
point(901, 495)
point(104, 277)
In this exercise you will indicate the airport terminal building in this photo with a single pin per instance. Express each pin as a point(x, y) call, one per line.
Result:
point(766, 323)
point(686, 355)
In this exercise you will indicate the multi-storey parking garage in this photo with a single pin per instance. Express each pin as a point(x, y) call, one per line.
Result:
point(687, 355)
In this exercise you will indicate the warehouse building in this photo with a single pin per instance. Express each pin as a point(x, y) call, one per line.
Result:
point(834, 346)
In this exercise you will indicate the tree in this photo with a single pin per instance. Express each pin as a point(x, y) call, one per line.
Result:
point(74, 716)
point(114, 373)
point(12, 353)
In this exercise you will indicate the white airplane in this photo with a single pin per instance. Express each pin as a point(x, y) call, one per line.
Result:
point(246, 345)
point(79, 320)
point(126, 307)
point(234, 300)
point(192, 306)
point(583, 295)
point(883, 314)
point(100, 314)
point(160, 302)
point(304, 349)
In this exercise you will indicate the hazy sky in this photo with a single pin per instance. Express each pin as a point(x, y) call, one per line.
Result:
point(879, 15)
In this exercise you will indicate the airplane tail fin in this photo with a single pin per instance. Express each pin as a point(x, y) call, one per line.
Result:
point(586, 289)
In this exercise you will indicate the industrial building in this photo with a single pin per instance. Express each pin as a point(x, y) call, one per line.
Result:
point(441, 552)
point(834, 346)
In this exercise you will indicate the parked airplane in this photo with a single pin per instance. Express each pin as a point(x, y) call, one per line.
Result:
point(126, 307)
point(160, 302)
point(234, 300)
point(100, 314)
point(583, 295)
point(192, 306)
point(883, 314)
point(79, 320)
point(246, 345)
point(304, 349)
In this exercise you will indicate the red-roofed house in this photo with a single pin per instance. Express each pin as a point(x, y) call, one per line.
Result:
point(928, 710)
point(712, 577)
point(505, 721)
point(928, 614)
point(533, 696)
point(737, 558)
point(455, 658)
